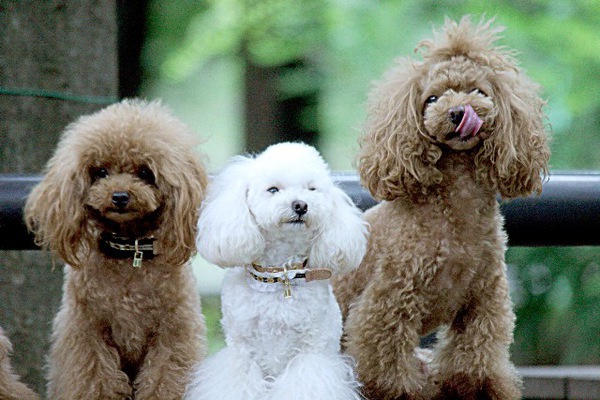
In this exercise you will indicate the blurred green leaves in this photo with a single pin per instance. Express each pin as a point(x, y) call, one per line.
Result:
point(272, 32)
point(557, 298)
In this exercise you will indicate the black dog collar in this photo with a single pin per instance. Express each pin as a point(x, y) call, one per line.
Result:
point(120, 247)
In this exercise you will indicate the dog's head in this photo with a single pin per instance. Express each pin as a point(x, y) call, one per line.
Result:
point(127, 170)
point(284, 195)
point(467, 95)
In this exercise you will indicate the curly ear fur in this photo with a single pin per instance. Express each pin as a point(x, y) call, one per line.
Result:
point(179, 224)
point(395, 159)
point(515, 158)
point(343, 242)
point(54, 209)
point(228, 235)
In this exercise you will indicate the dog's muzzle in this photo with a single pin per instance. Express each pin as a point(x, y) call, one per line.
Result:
point(466, 120)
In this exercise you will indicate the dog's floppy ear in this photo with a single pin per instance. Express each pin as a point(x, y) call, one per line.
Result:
point(187, 181)
point(515, 158)
point(54, 209)
point(228, 235)
point(396, 160)
point(342, 243)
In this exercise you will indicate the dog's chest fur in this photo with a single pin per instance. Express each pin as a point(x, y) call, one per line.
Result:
point(272, 329)
point(449, 240)
point(126, 304)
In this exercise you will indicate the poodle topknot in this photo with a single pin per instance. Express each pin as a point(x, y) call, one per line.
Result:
point(119, 203)
point(443, 137)
point(282, 227)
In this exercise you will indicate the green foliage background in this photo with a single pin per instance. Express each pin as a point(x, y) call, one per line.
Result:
point(194, 60)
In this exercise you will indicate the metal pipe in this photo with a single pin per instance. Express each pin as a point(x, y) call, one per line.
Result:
point(566, 214)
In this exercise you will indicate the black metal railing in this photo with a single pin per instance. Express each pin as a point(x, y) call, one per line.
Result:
point(566, 214)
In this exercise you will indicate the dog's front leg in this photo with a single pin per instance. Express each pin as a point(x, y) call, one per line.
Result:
point(382, 334)
point(473, 356)
point(171, 356)
point(81, 364)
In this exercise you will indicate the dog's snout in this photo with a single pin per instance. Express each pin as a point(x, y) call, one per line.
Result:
point(456, 114)
point(120, 199)
point(300, 207)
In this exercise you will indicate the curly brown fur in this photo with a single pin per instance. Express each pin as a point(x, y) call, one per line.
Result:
point(10, 387)
point(436, 251)
point(127, 170)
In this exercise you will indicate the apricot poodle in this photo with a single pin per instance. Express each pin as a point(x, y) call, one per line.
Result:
point(443, 137)
point(119, 204)
point(10, 387)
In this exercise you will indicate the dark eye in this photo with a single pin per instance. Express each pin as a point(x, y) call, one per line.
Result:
point(146, 174)
point(431, 99)
point(312, 188)
point(479, 91)
point(273, 189)
point(98, 173)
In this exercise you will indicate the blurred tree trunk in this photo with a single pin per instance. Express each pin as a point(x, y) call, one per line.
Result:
point(263, 119)
point(271, 115)
point(60, 47)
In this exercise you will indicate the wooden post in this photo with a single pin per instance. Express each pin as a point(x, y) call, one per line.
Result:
point(58, 60)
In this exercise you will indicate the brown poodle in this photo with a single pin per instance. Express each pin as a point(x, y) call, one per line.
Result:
point(10, 387)
point(119, 204)
point(443, 137)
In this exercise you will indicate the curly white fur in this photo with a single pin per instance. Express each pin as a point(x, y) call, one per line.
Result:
point(279, 347)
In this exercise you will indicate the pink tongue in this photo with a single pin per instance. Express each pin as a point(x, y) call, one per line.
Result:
point(470, 124)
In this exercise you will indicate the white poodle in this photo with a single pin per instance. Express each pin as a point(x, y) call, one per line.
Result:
point(283, 227)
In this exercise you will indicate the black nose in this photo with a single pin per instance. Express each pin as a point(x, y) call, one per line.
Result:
point(120, 199)
point(456, 114)
point(300, 207)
